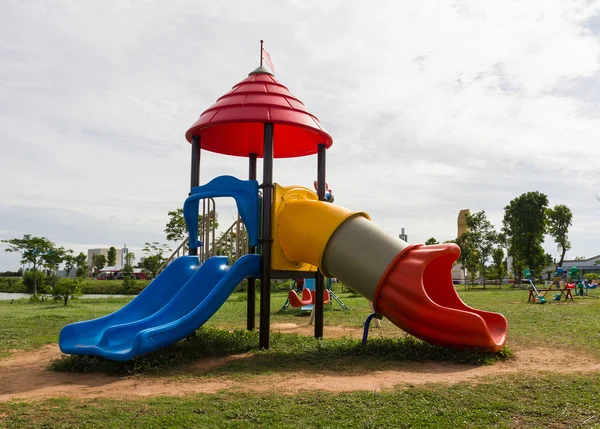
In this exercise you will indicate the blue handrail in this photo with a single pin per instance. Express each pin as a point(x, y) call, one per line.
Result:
point(245, 194)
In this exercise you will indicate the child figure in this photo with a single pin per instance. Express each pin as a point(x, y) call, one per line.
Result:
point(328, 192)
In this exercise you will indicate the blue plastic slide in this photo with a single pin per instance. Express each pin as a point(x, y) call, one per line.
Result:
point(180, 300)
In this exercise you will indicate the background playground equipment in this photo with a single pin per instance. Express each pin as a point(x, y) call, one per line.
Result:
point(308, 295)
point(582, 286)
point(300, 235)
point(554, 285)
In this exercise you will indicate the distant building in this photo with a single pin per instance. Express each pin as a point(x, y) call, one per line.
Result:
point(461, 222)
point(586, 266)
point(121, 253)
point(403, 236)
point(458, 274)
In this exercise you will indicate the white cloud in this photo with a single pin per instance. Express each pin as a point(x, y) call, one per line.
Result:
point(433, 107)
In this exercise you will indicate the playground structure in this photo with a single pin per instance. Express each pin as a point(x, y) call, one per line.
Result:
point(562, 288)
point(292, 232)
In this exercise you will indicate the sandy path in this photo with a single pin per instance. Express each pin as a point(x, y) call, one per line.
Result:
point(25, 376)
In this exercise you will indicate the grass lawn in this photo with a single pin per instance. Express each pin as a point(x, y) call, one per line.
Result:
point(526, 400)
point(523, 402)
point(576, 325)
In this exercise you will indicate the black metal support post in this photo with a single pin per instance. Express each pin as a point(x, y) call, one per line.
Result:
point(251, 309)
point(320, 279)
point(266, 239)
point(195, 175)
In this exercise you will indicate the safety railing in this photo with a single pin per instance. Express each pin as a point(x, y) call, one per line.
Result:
point(205, 231)
point(232, 243)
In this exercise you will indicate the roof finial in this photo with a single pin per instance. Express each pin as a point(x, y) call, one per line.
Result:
point(261, 52)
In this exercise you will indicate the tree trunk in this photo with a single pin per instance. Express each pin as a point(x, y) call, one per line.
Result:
point(562, 257)
point(34, 278)
point(66, 299)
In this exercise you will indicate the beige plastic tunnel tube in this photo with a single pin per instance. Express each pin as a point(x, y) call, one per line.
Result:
point(358, 253)
point(343, 244)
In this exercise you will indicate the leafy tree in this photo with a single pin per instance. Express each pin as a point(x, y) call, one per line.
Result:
point(483, 237)
point(154, 256)
point(591, 276)
point(111, 257)
point(18, 273)
point(524, 225)
point(98, 262)
point(64, 289)
point(128, 271)
point(54, 258)
point(176, 228)
point(33, 250)
point(499, 268)
point(31, 280)
point(560, 219)
point(80, 262)
point(69, 261)
point(431, 241)
point(468, 258)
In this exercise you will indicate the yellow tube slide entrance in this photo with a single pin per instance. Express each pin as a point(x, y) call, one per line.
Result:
point(302, 228)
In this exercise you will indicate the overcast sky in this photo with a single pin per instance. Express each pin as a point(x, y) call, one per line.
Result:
point(433, 107)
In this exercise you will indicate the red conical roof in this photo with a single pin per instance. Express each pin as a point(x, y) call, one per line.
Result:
point(234, 124)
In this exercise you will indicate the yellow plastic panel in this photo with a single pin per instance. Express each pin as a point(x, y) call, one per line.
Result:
point(302, 226)
point(280, 195)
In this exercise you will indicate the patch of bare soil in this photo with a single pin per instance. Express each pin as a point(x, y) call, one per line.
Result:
point(329, 331)
point(25, 375)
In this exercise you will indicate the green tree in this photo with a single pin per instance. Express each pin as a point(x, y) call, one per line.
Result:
point(176, 228)
point(98, 262)
point(128, 271)
point(64, 289)
point(111, 257)
point(483, 237)
point(30, 280)
point(69, 261)
point(524, 225)
point(591, 276)
point(54, 258)
point(80, 262)
point(560, 219)
point(33, 250)
point(468, 258)
point(431, 241)
point(499, 267)
point(154, 256)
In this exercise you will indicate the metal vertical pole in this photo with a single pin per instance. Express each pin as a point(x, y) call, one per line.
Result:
point(251, 307)
point(266, 240)
point(320, 279)
point(195, 172)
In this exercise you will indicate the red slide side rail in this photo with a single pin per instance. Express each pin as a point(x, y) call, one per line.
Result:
point(417, 294)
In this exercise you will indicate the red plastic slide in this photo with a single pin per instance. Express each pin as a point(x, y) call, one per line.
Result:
point(416, 293)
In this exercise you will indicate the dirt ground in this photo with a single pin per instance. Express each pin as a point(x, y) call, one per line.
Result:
point(24, 375)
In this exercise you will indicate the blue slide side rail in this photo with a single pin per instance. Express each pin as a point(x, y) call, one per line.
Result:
point(245, 194)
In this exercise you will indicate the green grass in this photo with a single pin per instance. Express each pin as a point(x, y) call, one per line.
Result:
point(287, 353)
point(26, 326)
point(523, 402)
point(565, 324)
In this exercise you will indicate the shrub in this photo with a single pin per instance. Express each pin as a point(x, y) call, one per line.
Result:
point(28, 280)
point(66, 288)
point(15, 285)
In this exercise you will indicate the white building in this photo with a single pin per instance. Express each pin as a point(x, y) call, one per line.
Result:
point(121, 253)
